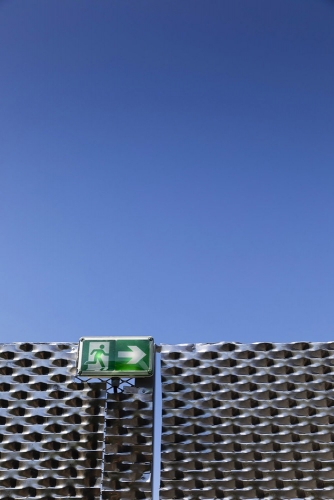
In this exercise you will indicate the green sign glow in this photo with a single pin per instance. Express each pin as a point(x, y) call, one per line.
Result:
point(116, 356)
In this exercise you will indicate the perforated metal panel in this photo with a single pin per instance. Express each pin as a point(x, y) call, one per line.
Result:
point(128, 453)
point(52, 424)
point(59, 435)
point(248, 421)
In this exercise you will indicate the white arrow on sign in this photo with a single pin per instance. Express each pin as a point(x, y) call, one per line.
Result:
point(135, 356)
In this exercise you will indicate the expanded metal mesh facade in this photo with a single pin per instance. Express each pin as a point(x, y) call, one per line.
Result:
point(128, 443)
point(248, 421)
point(51, 424)
point(63, 437)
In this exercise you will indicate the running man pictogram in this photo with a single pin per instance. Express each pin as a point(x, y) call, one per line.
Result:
point(99, 353)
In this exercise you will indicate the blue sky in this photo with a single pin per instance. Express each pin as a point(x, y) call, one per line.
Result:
point(167, 169)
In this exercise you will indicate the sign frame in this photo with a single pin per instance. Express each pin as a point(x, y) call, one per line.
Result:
point(130, 352)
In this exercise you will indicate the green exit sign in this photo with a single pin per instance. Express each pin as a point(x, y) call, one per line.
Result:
point(116, 357)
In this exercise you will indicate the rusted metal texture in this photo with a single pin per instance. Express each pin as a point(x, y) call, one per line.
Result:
point(51, 424)
point(128, 443)
point(248, 421)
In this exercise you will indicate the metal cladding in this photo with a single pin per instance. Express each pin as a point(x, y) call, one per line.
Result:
point(51, 424)
point(63, 437)
point(128, 443)
point(247, 421)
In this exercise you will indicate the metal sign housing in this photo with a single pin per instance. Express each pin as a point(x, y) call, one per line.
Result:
point(116, 357)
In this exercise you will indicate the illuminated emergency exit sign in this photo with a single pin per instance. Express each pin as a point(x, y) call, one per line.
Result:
point(116, 357)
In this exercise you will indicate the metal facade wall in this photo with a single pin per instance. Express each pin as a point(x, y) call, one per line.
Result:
point(248, 421)
point(128, 452)
point(51, 424)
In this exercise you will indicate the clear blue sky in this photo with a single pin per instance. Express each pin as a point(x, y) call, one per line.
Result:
point(167, 169)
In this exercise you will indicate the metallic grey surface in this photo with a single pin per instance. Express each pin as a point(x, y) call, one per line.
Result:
point(52, 424)
point(248, 421)
point(128, 452)
point(65, 437)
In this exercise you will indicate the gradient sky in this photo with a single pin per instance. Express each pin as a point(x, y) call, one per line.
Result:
point(167, 169)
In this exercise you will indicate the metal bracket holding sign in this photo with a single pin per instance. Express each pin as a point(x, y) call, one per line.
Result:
point(109, 357)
